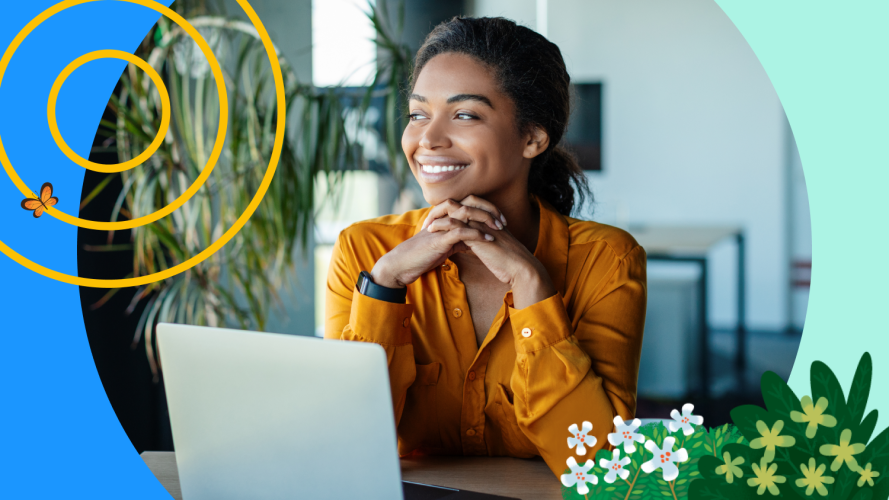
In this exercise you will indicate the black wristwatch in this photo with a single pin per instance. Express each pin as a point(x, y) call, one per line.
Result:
point(366, 286)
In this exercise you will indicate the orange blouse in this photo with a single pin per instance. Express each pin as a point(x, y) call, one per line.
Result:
point(570, 358)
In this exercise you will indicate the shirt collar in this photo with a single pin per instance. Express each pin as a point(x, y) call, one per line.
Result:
point(552, 242)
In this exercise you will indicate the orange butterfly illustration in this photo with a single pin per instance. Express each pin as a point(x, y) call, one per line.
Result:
point(45, 201)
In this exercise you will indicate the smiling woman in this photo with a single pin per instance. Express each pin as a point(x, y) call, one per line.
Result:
point(505, 320)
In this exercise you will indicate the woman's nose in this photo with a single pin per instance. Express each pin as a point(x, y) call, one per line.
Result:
point(434, 135)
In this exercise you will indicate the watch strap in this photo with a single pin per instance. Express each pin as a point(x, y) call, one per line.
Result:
point(367, 287)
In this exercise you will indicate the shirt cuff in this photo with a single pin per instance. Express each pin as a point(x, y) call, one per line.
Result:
point(381, 322)
point(540, 325)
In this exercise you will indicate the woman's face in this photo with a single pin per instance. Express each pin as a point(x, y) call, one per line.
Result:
point(462, 137)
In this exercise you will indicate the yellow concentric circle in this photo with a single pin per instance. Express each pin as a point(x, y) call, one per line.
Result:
point(165, 111)
point(214, 154)
point(239, 223)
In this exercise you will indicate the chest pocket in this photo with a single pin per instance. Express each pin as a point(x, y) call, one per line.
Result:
point(515, 443)
point(419, 426)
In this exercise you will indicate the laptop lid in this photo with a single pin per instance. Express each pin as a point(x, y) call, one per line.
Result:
point(272, 416)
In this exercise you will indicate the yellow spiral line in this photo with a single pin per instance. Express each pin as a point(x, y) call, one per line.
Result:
point(239, 223)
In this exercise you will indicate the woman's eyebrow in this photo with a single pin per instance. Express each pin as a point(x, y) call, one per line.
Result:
point(457, 98)
point(470, 97)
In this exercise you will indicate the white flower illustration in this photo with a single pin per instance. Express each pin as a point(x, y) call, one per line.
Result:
point(684, 420)
point(665, 458)
point(626, 434)
point(579, 476)
point(581, 438)
point(615, 466)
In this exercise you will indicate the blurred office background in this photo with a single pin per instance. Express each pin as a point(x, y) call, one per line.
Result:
point(686, 146)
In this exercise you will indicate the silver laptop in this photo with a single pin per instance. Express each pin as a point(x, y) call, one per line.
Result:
point(271, 416)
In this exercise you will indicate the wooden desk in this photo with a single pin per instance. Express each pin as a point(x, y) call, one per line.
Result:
point(510, 477)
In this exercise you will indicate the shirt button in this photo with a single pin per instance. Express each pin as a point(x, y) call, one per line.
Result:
point(470, 432)
point(526, 332)
point(446, 267)
point(458, 312)
point(405, 322)
point(471, 375)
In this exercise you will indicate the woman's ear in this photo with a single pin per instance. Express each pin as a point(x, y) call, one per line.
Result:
point(536, 142)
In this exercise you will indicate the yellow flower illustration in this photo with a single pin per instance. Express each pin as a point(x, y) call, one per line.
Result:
point(771, 438)
point(867, 476)
point(766, 478)
point(814, 415)
point(814, 480)
point(843, 452)
point(730, 468)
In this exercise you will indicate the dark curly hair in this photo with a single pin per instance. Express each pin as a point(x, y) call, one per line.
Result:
point(530, 70)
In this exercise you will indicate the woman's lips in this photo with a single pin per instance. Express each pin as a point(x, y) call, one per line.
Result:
point(439, 173)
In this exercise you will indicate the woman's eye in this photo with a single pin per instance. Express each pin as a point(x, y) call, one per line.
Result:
point(466, 116)
point(415, 116)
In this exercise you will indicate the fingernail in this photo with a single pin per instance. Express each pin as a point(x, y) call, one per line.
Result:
point(503, 218)
point(489, 237)
point(498, 224)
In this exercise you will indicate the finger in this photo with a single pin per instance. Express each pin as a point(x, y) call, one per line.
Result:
point(446, 224)
point(450, 208)
point(440, 210)
point(469, 214)
point(483, 204)
point(465, 234)
point(461, 247)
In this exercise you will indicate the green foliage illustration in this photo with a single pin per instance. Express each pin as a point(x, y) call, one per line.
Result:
point(817, 446)
point(640, 485)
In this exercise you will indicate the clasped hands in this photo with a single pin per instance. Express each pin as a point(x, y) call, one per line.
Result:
point(472, 225)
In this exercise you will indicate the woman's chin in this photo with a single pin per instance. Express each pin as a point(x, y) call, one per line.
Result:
point(437, 196)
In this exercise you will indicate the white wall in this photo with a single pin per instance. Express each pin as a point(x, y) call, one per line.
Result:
point(692, 131)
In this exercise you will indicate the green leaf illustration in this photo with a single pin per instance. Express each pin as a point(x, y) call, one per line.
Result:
point(707, 467)
point(863, 494)
point(860, 388)
point(866, 429)
point(714, 490)
point(825, 384)
point(778, 396)
point(746, 416)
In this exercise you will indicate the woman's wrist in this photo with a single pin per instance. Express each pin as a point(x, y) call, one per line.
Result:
point(382, 276)
point(530, 286)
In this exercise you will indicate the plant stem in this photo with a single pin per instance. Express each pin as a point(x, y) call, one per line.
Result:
point(673, 490)
point(632, 484)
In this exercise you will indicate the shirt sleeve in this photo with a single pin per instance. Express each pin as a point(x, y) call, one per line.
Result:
point(570, 371)
point(350, 315)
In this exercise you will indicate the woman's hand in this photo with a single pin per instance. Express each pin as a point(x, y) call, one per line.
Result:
point(505, 256)
point(426, 250)
point(423, 252)
point(507, 259)
point(471, 208)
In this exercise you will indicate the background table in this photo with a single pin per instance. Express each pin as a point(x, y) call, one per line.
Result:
point(692, 244)
point(510, 477)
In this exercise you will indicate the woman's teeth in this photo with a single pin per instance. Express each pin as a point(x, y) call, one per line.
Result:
point(434, 169)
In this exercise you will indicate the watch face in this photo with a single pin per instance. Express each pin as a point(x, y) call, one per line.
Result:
point(363, 279)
